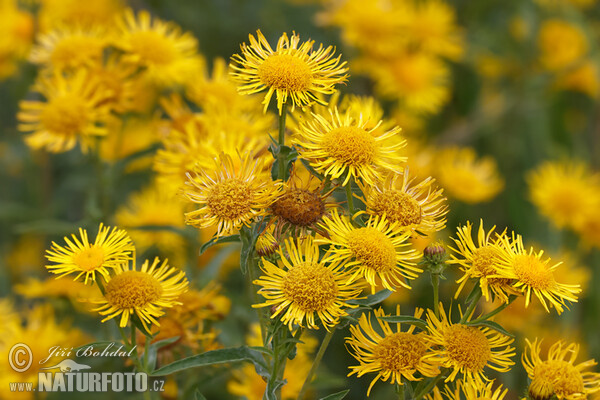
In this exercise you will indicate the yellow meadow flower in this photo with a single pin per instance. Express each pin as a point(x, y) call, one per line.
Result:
point(306, 287)
point(468, 350)
point(467, 178)
point(142, 293)
point(16, 36)
point(342, 147)
point(561, 44)
point(472, 389)
point(531, 273)
point(77, 13)
point(73, 111)
point(294, 72)
point(231, 195)
point(393, 355)
point(419, 208)
point(582, 78)
point(378, 252)
point(564, 192)
point(558, 375)
point(478, 261)
point(110, 250)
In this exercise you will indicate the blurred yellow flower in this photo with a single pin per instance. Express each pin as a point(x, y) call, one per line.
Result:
point(291, 71)
point(53, 13)
point(127, 137)
point(111, 249)
point(472, 389)
point(558, 374)
point(397, 355)
point(466, 178)
point(73, 111)
point(142, 293)
point(582, 78)
point(16, 35)
point(306, 287)
point(78, 293)
point(468, 350)
point(338, 146)
point(564, 192)
point(377, 252)
point(561, 44)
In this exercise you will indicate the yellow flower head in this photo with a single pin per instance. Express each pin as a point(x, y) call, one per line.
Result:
point(142, 293)
point(293, 70)
point(467, 178)
point(417, 208)
point(472, 389)
point(478, 261)
point(306, 287)
point(78, 13)
point(169, 56)
point(231, 195)
point(532, 273)
point(73, 110)
point(377, 251)
point(558, 374)
point(393, 354)
point(564, 192)
point(342, 146)
point(69, 48)
point(561, 44)
point(110, 250)
point(583, 78)
point(468, 350)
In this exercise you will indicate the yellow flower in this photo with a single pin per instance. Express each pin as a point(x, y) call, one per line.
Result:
point(169, 56)
point(420, 81)
point(532, 273)
point(473, 390)
point(583, 78)
point(230, 196)
point(377, 251)
point(306, 287)
point(129, 136)
point(16, 35)
point(467, 178)
point(110, 250)
point(69, 48)
point(73, 111)
point(142, 293)
point(479, 260)
point(394, 355)
point(77, 13)
point(77, 292)
point(468, 350)
point(120, 81)
point(341, 146)
point(559, 375)
point(293, 72)
point(153, 207)
point(419, 208)
point(564, 192)
point(561, 44)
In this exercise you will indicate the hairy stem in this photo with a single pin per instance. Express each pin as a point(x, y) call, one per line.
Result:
point(316, 363)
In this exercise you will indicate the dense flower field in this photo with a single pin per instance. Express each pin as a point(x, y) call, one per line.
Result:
point(301, 199)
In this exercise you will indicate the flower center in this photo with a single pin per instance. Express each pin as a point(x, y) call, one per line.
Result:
point(153, 48)
point(230, 199)
point(555, 376)
point(372, 248)
point(76, 51)
point(89, 259)
point(299, 207)
point(566, 200)
point(65, 115)
point(310, 286)
point(350, 145)
point(285, 72)
point(483, 260)
point(467, 346)
point(400, 351)
point(132, 289)
point(399, 207)
point(533, 272)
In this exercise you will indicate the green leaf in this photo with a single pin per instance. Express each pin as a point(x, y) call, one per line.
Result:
point(290, 155)
point(476, 291)
point(221, 356)
point(153, 350)
point(198, 395)
point(218, 240)
point(406, 319)
point(372, 299)
point(493, 325)
point(248, 237)
point(336, 396)
point(312, 170)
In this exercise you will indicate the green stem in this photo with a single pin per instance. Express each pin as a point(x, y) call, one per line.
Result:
point(281, 155)
point(349, 198)
point(429, 387)
point(471, 308)
point(134, 341)
point(495, 311)
point(400, 391)
point(316, 363)
point(435, 282)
